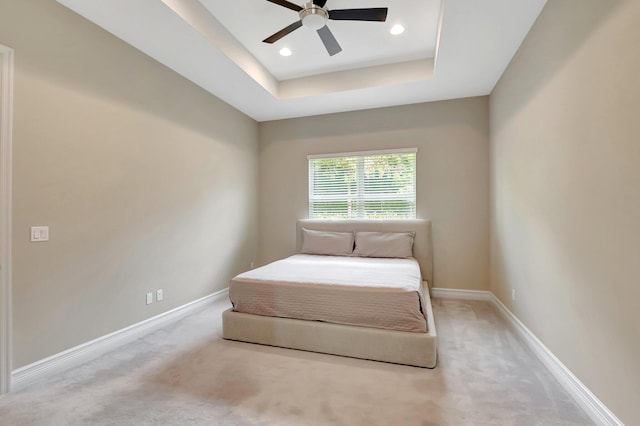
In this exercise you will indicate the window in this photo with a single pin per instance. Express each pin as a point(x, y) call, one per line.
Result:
point(363, 185)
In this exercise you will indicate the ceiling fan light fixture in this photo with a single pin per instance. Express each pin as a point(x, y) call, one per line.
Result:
point(314, 17)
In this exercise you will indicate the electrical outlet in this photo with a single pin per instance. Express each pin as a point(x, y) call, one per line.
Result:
point(149, 298)
point(159, 295)
point(513, 294)
point(251, 265)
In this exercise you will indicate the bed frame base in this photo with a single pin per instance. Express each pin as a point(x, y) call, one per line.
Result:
point(398, 347)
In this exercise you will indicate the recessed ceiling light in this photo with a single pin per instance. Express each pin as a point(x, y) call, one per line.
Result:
point(285, 51)
point(397, 29)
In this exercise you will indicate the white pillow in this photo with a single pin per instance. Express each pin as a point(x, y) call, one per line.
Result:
point(327, 243)
point(384, 244)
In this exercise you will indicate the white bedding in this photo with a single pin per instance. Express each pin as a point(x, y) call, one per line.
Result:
point(370, 292)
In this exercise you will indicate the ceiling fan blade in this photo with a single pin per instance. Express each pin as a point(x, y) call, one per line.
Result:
point(329, 41)
point(320, 3)
point(283, 32)
point(378, 14)
point(287, 4)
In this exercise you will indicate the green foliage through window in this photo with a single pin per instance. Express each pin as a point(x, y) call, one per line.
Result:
point(368, 186)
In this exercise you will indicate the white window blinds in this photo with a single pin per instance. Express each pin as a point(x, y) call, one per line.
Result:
point(365, 185)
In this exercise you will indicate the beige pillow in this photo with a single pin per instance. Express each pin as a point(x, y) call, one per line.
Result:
point(327, 243)
point(384, 244)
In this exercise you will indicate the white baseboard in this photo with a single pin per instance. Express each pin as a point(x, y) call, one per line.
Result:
point(24, 376)
point(450, 293)
point(592, 406)
point(595, 409)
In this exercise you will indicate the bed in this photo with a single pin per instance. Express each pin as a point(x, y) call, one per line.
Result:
point(307, 302)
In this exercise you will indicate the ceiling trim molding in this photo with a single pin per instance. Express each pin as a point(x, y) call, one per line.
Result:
point(361, 78)
point(200, 19)
point(439, 35)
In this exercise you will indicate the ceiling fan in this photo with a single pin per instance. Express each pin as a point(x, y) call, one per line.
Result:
point(314, 15)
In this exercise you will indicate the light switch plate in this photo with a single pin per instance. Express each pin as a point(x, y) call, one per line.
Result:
point(39, 234)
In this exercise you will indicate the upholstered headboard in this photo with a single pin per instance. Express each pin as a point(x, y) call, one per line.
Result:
point(422, 248)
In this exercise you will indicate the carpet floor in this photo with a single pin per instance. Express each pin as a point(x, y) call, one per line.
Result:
point(186, 374)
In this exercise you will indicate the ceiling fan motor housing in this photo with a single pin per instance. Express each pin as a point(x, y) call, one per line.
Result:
point(313, 16)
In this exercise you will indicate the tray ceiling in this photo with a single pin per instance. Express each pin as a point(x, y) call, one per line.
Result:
point(450, 49)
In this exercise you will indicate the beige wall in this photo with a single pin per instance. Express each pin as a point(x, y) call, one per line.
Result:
point(565, 121)
point(452, 138)
point(145, 180)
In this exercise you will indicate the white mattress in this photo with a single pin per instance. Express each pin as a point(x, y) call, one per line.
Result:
point(369, 292)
